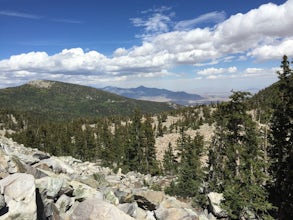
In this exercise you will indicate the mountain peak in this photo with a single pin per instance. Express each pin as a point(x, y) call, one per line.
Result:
point(141, 87)
point(41, 83)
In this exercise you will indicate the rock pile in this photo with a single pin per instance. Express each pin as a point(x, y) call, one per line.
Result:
point(36, 185)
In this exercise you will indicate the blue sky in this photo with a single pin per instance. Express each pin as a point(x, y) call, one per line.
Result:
point(206, 46)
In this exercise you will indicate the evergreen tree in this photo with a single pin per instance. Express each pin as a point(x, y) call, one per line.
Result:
point(238, 170)
point(190, 173)
point(107, 147)
point(140, 153)
point(150, 164)
point(160, 127)
point(169, 161)
point(119, 143)
point(281, 150)
point(134, 151)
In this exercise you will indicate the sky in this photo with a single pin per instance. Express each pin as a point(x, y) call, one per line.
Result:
point(204, 47)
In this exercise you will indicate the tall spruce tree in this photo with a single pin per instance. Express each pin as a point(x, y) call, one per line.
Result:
point(281, 149)
point(150, 164)
point(134, 153)
point(237, 161)
point(190, 172)
point(140, 150)
point(169, 161)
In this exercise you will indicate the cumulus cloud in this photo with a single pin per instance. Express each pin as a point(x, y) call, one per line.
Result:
point(239, 36)
point(274, 51)
point(78, 62)
point(260, 72)
point(234, 73)
point(214, 71)
point(242, 32)
point(254, 70)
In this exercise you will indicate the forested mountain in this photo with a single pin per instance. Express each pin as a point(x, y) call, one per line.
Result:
point(264, 101)
point(154, 94)
point(58, 100)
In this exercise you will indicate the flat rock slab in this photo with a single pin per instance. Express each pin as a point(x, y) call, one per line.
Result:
point(95, 209)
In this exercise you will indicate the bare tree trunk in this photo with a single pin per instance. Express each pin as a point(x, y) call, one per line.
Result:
point(237, 163)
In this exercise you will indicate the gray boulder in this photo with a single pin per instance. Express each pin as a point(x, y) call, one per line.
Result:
point(20, 197)
point(56, 164)
point(175, 214)
point(50, 186)
point(155, 197)
point(129, 208)
point(82, 191)
point(95, 209)
point(215, 202)
point(172, 209)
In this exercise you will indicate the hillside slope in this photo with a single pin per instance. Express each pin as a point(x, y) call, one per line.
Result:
point(58, 100)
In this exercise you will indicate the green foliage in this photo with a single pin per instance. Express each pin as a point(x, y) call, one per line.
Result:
point(190, 173)
point(236, 160)
point(169, 161)
point(281, 149)
point(140, 151)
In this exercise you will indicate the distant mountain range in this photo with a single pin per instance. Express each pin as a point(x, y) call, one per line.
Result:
point(57, 100)
point(159, 95)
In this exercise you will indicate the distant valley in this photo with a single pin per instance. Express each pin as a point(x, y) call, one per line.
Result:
point(161, 95)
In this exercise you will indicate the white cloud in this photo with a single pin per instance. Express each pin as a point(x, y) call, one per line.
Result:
point(260, 72)
point(156, 24)
point(254, 70)
point(120, 52)
point(234, 39)
point(234, 73)
point(215, 77)
point(274, 51)
point(19, 14)
point(214, 17)
point(214, 71)
point(242, 32)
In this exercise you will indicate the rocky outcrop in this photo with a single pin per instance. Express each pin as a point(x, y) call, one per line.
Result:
point(35, 185)
point(215, 204)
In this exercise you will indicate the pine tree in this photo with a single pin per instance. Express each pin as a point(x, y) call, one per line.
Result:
point(119, 143)
point(190, 173)
point(160, 127)
point(169, 161)
point(150, 164)
point(281, 150)
point(237, 169)
point(107, 151)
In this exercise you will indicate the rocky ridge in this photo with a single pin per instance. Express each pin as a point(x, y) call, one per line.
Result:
point(36, 185)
